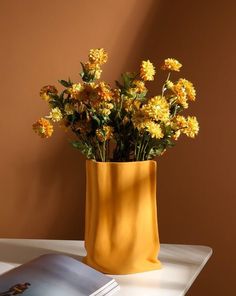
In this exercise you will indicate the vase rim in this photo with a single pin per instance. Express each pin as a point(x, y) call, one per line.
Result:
point(120, 162)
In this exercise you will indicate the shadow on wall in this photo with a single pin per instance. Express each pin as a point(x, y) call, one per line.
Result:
point(55, 193)
point(196, 203)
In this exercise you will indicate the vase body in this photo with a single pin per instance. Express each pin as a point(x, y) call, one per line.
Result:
point(121, 231)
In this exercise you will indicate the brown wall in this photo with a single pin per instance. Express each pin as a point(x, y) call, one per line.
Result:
point(43, 183)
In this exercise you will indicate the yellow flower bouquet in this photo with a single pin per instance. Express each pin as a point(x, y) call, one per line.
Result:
point(120, 124)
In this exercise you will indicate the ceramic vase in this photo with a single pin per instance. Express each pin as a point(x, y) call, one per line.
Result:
point(121, 230)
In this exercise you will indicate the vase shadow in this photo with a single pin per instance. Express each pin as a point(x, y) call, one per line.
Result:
point(51, 203)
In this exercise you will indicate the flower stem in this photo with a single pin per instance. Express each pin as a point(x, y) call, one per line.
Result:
point(100, 152)
point(145, 148)
point(163, 87)
point(104, 150)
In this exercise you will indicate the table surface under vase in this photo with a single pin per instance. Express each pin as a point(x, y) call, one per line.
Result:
point(181, 264)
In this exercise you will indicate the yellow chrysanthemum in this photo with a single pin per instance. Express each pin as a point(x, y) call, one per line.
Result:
point(182, 100)
point(137, 88)
point(171, 65)
point(105, 108)
point(75, 90)
point(157, 108)
point(139, 120)
point(147, 71)
point(98, 56)
point(47, 91)
point(176, 135)
point(181, 95)
point(56, 114)
point(154, 129)
point(69, 109)
point(116, 95)
point(89, 93)
point(169, 84)
point(192, 128)
point(93, 70)
point(43, 128)
point(105, 133)
point(104, 91)
point(189, 88)
point(178, 124)
point(131, 105)
point(184, 90)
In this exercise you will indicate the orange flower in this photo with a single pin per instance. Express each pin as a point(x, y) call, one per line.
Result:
point(43, 128)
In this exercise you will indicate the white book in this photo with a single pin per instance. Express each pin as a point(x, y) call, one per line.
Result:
point(56, 275)
point(109, 290)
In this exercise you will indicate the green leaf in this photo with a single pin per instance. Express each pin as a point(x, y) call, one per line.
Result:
point(82, 65)
point(126, 80)
point(84, 148)
point(65, 83)
point(85, 75)
point(54, 96)
point(98, 121)
point(168, 129)
point(76, 144)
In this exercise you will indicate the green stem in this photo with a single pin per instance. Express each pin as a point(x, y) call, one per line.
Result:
point(140, 149)
point(138, 152)
point(163, 87)
point(121, 105)
point(104, 150)
point(100, 152)
point(107, 150)
point(145, 148)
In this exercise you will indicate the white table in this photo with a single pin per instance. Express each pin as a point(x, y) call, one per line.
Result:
point(181, 265)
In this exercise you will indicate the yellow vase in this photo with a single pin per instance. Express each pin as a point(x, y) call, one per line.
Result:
point(121, 232)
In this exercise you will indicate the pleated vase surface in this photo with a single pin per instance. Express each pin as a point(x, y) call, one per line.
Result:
point(121, 231)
